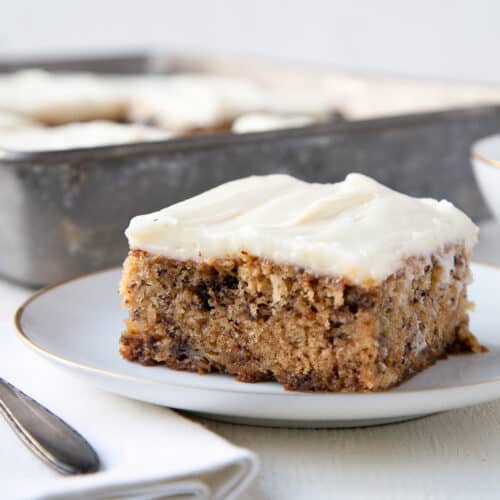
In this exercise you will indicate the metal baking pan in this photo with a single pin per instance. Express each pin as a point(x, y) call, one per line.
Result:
point(63, 213)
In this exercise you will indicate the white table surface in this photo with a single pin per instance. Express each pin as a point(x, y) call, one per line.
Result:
point(450, 455)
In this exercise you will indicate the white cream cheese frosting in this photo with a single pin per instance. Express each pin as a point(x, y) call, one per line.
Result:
point(184, 102)
point(357, 228)
point(11, 121)
point(261, 122)
point(77, 135)
point(60, 97)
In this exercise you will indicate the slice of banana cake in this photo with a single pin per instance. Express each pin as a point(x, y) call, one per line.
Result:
point(321, 287)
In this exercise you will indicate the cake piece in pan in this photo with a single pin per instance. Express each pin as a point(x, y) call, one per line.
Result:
point(196, 103)
point(321, 287)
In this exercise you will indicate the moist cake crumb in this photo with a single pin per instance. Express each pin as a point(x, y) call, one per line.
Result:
point(259, 321)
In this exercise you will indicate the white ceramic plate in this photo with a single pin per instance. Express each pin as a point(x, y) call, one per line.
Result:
point(77, 325)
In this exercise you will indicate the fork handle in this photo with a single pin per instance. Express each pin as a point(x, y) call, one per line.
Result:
point(45, 434)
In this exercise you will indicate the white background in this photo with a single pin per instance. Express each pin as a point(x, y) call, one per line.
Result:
point(454, 40)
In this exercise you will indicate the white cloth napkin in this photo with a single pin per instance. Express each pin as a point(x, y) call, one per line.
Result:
point(147, 452)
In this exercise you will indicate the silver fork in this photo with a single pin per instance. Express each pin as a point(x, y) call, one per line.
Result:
point(45, 434)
